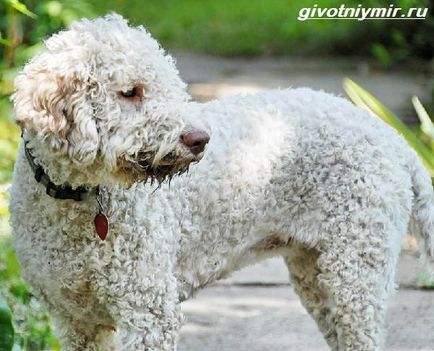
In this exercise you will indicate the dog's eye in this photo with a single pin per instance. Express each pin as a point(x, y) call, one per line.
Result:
point(129, 93)
point(134, 94)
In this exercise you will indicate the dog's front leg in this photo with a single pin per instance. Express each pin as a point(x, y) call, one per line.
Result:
point(146, 313)
point(153, 326)
point(137, 287)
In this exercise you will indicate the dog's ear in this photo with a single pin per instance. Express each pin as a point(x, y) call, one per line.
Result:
point(52, 100)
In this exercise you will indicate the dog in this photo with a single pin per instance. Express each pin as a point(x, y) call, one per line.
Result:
point(112, 235)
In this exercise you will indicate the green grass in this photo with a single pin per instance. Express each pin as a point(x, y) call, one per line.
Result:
point(244, 27)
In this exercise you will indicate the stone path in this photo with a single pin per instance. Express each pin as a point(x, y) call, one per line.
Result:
point(256, 309)
point(211, 77)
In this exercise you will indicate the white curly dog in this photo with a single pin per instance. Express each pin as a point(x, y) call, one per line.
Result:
point(296, 173)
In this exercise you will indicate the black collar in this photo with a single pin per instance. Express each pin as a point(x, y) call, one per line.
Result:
point(64, 191)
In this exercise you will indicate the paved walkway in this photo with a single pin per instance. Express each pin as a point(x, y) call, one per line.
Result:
point(256, 309)
point(211, 77)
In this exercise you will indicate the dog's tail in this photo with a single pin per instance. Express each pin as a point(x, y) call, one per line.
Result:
point(422, 222)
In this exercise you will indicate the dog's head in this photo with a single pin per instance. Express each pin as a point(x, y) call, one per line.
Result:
point(104, 103)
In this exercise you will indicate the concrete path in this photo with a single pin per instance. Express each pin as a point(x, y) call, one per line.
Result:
point(211, 77)
point(259, 319)
point(256, 309)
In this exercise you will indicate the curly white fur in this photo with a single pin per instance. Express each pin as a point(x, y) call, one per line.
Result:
point(296, 173)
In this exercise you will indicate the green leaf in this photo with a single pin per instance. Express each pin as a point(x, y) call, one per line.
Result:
point(427, 126)
point(21, 291)
point(366, 100)
point(20, 7)
point(6, 328)
point(4, 41)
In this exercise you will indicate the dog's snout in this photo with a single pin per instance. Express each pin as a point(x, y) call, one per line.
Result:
point(195, 140)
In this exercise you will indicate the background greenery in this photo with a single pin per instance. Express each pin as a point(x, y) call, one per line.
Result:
point(223, 27)
point(270, 27)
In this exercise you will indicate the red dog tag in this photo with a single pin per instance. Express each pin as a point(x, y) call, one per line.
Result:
point(101, 225)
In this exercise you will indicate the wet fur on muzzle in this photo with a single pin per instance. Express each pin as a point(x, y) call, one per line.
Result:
point(145, 166)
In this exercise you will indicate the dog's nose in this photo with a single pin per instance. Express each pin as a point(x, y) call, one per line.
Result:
point(195, 140)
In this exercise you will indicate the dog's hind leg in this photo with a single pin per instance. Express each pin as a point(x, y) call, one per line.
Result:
point(356, 269)
point(302, 266)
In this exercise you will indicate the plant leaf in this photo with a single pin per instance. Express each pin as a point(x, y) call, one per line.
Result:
point(20, 7)
point(427, 125)
point(4, 41)
point(6, 327)
point(366, 100)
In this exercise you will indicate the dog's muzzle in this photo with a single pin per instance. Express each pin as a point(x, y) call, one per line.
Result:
point(189, 150)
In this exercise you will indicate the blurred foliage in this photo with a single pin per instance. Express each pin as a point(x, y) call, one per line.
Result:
point(6, 328)
point(239, 27)
point(33, 331)
point(9, 139)
point(270, 27)
point(22, 27)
